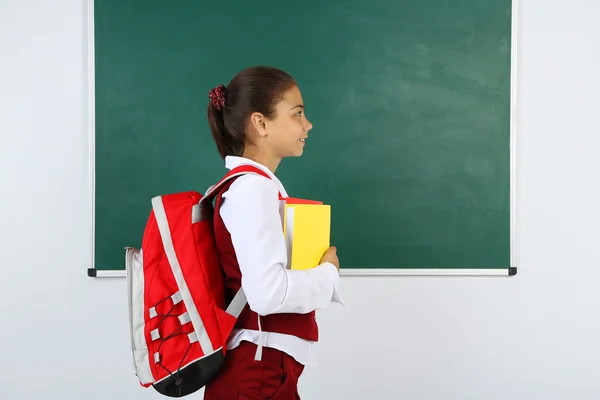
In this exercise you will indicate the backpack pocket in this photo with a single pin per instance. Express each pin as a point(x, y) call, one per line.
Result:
point(135, 295)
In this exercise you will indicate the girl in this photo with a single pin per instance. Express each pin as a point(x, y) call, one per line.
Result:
point(258, 120)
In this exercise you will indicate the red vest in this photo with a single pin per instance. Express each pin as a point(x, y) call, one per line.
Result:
point(301, 325)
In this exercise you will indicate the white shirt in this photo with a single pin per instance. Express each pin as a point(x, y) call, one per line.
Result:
point(253, 215)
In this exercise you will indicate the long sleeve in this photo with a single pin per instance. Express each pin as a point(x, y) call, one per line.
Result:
point(250, 211)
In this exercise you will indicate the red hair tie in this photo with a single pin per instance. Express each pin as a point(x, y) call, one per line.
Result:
point(217, 95)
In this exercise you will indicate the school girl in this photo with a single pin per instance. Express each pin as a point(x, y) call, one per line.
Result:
point(258, 119)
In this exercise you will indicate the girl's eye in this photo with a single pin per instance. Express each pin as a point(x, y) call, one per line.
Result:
point(299, 114)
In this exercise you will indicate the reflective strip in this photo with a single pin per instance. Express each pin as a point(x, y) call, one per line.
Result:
point(177, 296)
point(153, 312)
point(155, 334)
point(193, 337)
point(184, 318)
point(165, 233)
point(237, 304)
point(156, 357)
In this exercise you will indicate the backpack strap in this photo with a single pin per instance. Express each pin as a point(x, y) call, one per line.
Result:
point(237, 171)
point(239, 301)
point(237, 304)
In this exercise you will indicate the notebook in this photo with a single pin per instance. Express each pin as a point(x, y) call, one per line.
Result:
point(307, 228)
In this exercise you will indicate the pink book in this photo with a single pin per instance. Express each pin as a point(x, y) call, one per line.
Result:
point(294, 200)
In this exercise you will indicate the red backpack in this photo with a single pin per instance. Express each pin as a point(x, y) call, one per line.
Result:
point(179, 321)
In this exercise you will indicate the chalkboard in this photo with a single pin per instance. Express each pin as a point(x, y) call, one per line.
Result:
point(410, 102)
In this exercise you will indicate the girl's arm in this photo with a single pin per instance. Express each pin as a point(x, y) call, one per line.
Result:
point(250, 211)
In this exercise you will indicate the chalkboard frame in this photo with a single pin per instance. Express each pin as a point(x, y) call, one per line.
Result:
point(509, 271)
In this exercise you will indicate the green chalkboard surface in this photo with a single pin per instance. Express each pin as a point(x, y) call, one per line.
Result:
point(410, 102)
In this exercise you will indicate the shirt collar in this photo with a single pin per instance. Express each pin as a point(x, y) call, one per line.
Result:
point(235, 161)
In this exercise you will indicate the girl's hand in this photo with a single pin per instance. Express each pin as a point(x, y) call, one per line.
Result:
point(330, 255)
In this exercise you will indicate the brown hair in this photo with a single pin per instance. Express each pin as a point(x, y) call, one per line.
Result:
point(254, 89)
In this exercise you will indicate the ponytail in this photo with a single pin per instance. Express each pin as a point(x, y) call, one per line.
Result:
point(226, 143)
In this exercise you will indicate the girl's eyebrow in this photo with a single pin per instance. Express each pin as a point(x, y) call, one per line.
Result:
point(299, 105)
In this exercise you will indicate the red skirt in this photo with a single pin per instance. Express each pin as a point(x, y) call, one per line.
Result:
point(241, 378)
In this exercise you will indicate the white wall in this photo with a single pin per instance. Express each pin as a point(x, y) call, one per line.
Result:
point(534, 336)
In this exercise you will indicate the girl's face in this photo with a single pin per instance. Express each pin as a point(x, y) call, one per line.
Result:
point(287, 132)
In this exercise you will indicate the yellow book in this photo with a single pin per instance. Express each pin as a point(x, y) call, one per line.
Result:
point(307, 229)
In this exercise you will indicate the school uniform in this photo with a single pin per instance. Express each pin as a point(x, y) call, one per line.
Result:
point(276, 333)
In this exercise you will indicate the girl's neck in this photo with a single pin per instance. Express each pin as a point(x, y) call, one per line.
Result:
point(262, 157)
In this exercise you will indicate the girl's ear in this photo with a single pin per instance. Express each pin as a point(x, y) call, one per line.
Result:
point(258, 121)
